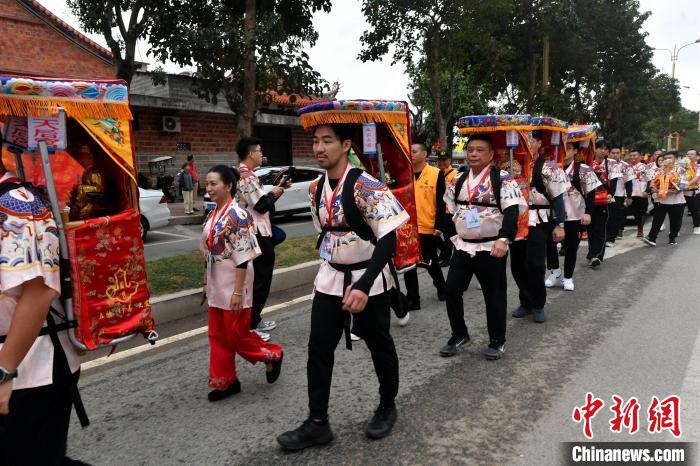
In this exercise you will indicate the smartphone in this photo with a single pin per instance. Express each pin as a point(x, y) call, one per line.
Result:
point(291, 171)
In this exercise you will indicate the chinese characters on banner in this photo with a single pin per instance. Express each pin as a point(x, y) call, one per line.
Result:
point(16, 131)
point(369, 139)
point(51, 129)
point(661, 415)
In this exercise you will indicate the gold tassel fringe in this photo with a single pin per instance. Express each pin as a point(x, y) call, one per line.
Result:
point(330, 117)
point(36, 106)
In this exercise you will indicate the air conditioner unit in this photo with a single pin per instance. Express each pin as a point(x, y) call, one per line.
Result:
point(171, 124)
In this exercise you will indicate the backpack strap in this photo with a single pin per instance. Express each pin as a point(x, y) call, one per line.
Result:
point(576, 181)
point(353, 217)
point(496, 183)
point(537, 179)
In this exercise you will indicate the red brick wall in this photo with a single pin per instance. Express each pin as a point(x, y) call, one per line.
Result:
point(211, 137)
point(29, 46)
point(302, 147)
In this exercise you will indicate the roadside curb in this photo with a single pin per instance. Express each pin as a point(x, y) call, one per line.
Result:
point(186, 220)
point(186, 303)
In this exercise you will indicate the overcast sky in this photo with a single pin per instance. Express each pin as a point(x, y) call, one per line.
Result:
point(335, 54)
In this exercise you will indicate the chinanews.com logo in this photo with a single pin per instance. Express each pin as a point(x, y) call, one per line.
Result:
point(629, 416)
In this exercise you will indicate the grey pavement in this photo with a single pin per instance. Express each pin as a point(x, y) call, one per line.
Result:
point(175, 240)
point(630, 328)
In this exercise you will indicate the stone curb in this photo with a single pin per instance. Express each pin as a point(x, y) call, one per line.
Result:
point(186, 303)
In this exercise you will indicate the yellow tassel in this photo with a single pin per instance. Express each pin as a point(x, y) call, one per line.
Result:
point(36, 106)
point(331, 117)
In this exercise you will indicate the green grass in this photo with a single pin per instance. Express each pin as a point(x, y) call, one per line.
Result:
point(184, 272)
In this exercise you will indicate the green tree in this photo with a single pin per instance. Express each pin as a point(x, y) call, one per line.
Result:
point(122, 23)
point(437, 40)
point(242, 49)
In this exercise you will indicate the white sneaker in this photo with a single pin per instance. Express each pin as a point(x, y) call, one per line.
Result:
point(354, 337)
point(478, 285)
point(263, 335)
point(404, 321)
point(609, 244)
point(696, 231)
point(568, 284)
point(553, 278)
point(663, 227)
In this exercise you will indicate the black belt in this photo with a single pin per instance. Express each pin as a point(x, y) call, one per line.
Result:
point(347, 270)
point(480, 240)
point(480, 204)
point(539, 207)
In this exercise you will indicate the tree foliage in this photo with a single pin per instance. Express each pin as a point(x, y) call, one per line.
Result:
point(122, 23)
point(242, 53)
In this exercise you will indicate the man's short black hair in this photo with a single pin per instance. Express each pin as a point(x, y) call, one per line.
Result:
point(190, 158)
point(245, 144)
point(576, 144)
point(481, 137)
point(615, 146)
point(537, 134)
point(603, 144)
point(423, 145)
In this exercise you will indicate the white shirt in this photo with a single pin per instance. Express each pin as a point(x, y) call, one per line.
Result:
point(249, 191)
point(29, 246)
point(382, 212)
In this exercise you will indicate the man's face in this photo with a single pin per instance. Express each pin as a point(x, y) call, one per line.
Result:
point(479, 154)
point(615, 153)
point(444, 163)
point(328, 147)
point(418, 154)
point(535, 145)
point(692, 155)
point(255, 156)
point(635, 157)
point(601, 151)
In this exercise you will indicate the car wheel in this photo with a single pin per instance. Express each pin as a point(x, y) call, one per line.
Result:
point(144, 228)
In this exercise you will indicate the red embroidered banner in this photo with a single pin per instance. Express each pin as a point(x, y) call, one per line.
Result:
point(108, 271)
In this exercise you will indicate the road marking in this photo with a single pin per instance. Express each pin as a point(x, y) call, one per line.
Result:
point(158, 232)
point(175, 338)
point(169, 242)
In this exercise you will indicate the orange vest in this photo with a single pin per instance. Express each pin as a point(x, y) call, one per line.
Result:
point(450, 174)
point(426, 204)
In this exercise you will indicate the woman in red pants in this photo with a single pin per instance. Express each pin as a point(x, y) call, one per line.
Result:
point(229, 246)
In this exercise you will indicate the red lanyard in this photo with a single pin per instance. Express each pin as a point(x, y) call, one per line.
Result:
point(215, 220)
point(329, 205)
point(471, 196)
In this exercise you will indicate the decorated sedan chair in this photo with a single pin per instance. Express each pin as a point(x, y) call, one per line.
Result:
point(73, 139)
point(585, 136)
point(381, 146)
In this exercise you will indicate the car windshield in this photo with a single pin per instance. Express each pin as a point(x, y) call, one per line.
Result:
point(267, 175)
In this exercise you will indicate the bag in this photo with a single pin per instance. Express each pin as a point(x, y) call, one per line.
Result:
point(278, 235)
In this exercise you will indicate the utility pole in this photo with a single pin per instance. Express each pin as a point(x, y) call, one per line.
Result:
point(545, 64)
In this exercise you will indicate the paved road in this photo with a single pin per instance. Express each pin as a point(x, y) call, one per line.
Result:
point(181, 239)
point(630, 328)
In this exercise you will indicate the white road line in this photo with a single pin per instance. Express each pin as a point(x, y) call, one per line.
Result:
point(175, 338)
point(158, 232)
point(169, 242)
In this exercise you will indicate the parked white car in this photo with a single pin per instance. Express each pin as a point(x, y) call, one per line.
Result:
point(295, 200)
point(154, 210)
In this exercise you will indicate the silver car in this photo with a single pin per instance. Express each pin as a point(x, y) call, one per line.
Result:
point(154, 210)
point(295, 200)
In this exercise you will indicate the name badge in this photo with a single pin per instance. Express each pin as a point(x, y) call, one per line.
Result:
point(326, 249)
point(472, 217)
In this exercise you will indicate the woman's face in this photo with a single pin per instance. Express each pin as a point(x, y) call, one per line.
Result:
point(216, 188)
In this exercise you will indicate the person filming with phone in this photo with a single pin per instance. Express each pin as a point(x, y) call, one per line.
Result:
point(252, 197)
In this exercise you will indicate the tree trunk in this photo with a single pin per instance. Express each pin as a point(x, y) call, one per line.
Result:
point(248, 103)
point(432, 51)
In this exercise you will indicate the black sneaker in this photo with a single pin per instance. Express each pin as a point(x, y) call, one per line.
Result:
point(273, 369)
point(649, 241)
point(495, 351)
point(520, 312)
point(195, 209)
point(382, 422)
point(412, 304)
point(218, 395)
point(308, 434)
point(453, 344)
point(595, 262)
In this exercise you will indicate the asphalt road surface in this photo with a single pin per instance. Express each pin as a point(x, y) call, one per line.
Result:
point(630, 328)
point(175, 240)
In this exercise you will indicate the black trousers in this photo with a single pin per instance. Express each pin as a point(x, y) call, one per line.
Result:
point(693, 203)
point(639, 210)
point(263, 265)
point(428, 246)
point(491, 273)
point(617, 218)
point(675, 218)
point(572, 238)
point(36, 430)
point(450, 230)
point(597, 232)
point(528, 265)
point(372, 325)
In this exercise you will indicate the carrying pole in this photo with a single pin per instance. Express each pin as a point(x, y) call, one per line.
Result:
point(380, 160)
point(66, 287)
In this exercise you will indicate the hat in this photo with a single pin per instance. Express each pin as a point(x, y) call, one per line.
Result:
point(443, 155)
